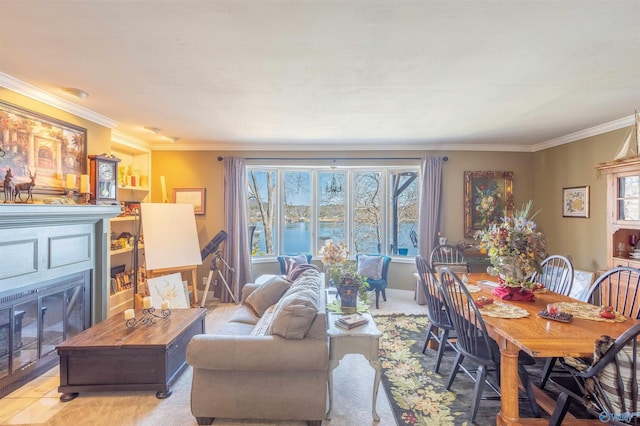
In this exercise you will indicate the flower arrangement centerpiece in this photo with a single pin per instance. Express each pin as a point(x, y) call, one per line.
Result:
point(515, 248)
point(342, 272)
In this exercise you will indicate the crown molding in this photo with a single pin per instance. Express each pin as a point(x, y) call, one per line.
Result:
point(40, 95)
point(296, 146)
point(121, 139)
point(586, 133)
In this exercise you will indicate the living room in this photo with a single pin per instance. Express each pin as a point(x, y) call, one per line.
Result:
point(546, 152)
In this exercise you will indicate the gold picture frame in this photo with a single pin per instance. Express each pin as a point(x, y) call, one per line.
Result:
point(48, 148)
point(193, 196)
point(575, 201)
point(488, 197)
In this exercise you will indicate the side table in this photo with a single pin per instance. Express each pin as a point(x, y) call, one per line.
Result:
point(363, 340)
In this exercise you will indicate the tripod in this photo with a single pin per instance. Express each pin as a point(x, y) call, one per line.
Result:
point(214, 268)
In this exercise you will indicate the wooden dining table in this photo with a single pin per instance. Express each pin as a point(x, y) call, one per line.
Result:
point(540, 338)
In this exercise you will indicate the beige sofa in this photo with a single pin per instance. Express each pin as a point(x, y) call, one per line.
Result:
point(270, 360)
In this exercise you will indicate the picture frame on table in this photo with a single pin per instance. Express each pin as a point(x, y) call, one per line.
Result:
point(193, 196)
point(575, 201)
point(488, 197)
point(44, 147)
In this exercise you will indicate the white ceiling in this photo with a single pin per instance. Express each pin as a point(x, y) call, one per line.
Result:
point(335, 74)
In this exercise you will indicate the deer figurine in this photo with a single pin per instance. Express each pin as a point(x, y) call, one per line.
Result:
point(9, 187)
point(26, 186)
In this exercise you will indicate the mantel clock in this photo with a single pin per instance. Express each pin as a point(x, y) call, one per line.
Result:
point(103, 170)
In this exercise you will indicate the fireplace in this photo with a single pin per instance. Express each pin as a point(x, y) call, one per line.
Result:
point(53, 282)
point(36, 319)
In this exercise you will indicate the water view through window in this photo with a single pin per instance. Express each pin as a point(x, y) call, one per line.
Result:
point(298, 211)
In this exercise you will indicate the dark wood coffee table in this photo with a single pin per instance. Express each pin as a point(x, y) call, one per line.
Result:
point(111, 357)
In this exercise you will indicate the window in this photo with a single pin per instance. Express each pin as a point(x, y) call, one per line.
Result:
point(296, 218)
point(403, 220)
point(372, 210)
point(331, 207)
point(367, 213)
point(261, 205)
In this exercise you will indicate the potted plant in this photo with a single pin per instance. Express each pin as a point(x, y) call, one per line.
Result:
point(341, 273)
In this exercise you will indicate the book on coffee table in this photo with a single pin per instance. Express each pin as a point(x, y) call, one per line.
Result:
point(351, 321)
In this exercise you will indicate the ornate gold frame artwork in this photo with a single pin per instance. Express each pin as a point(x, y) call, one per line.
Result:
point(488, 196)
point(35, 145)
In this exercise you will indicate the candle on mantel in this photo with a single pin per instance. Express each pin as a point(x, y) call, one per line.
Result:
point(164, 304)
point(71, 181)
point(146, 302)
point(129, 314)
point(84, 184)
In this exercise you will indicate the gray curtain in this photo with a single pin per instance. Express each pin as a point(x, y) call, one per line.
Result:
point(430, 204)
point(236, 248)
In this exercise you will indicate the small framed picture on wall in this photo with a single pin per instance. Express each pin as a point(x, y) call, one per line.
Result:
point(193, 196)
point(575, 201)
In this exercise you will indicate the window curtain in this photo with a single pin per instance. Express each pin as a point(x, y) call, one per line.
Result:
point(236, 248)
point(430, 204)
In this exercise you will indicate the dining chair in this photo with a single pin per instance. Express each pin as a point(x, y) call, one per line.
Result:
point(619, 288)
point(377, 280)
point(448, 256)
point(556, 273)
point(608, 388)
point(440, 326)
point(474, 343)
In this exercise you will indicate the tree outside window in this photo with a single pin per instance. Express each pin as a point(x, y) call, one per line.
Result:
point(372, 211)
point(261, 205)
point(367, 213)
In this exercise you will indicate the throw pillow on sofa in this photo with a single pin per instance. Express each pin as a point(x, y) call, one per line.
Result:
point(295, 312)
point(370, 266)
point(292, 262)
point(300, 270)
point(267, 294)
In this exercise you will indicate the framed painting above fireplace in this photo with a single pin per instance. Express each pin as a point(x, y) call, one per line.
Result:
point(35, 144)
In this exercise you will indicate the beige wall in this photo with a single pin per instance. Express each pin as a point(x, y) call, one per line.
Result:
point(193, 169)
point(539, 176)
point(202, 169)
point(574, 165)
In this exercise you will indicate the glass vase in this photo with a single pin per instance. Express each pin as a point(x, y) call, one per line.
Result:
point(348, 298)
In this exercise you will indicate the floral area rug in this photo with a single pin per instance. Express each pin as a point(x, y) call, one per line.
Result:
point(416, 393)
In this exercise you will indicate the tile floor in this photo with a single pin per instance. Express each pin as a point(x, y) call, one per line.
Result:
point(38, 400)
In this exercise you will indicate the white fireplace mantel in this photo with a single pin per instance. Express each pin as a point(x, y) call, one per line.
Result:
point(39, 242)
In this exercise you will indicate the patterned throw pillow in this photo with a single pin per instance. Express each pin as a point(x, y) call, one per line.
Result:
point(291, 262)
point(609, 379)
point(262, 327)
point(370, 266)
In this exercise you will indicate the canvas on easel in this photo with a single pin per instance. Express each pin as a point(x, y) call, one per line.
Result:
point(171, 241)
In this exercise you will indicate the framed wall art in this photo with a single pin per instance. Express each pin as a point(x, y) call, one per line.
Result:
point(193, 196)
point(488, 196)
point(32, 144)
point(575, 201)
